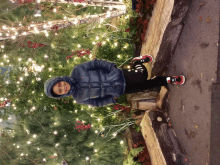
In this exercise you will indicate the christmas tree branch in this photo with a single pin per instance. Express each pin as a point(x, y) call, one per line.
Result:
point(49, 136)
point(3, 161)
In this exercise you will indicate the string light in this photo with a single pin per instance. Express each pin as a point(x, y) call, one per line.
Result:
point(13, 37)
point(38, 79)
point(36, 30)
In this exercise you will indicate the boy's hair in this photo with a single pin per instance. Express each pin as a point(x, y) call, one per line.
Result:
point(53, 94)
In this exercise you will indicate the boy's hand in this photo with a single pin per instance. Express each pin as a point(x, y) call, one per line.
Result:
point(115, 98)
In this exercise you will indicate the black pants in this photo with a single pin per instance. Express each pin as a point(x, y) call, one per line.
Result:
point(136, 81)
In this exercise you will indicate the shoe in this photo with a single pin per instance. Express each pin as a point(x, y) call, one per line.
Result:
point(179, 80)
point(144, 59)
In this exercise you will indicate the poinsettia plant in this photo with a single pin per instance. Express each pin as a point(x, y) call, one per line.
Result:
point(138, 25)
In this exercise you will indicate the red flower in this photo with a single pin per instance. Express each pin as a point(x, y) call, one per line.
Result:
point(135, 146)
point(128, 30)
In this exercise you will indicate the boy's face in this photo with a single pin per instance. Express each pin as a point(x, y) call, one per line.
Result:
point(61, 88)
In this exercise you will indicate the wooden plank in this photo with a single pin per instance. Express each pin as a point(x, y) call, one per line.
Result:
point(151, 141)
point(144, 104)
point(129, 138)
point(162, 97)
point(145, 95)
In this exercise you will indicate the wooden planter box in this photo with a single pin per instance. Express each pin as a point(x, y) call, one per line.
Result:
point(136, 138)
point(161, 140)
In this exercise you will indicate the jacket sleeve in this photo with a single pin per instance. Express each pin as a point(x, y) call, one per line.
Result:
point(100, 102)
point(99, 64)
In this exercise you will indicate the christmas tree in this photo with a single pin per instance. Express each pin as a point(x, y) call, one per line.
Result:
point(40, 40)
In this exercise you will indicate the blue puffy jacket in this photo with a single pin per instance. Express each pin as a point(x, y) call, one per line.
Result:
point(98, 83)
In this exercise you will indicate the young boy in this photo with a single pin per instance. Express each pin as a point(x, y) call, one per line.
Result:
point(99, 83)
